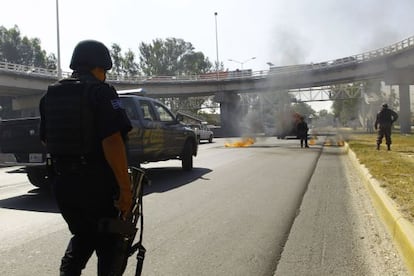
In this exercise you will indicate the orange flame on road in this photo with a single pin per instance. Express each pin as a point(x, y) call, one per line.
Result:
point(312, 141)
point(337, 141)
point(245, 142)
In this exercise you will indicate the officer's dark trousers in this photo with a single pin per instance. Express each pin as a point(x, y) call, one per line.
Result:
point(84, 196)
point(384, 130)
point(80, 249)
point(303, 138)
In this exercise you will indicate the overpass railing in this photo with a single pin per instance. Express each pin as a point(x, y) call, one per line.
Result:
point(26, 69)
point(231, 75)
point(346, 61)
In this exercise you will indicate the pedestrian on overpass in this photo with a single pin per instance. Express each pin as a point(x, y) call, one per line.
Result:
point(302, 131)
point(83, 126)
point(383, 123)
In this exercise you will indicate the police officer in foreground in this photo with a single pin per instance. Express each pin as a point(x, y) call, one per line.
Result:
point(84, 126)
point(383, 123)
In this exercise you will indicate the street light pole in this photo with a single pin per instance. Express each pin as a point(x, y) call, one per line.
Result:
point(59, 70)
point(242, 62)
point(217, 54)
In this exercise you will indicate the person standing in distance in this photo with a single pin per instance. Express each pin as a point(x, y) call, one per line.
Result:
point(302, 131)
point(84, 128)
point(383, 123)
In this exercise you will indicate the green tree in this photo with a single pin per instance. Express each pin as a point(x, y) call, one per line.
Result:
point(130, 67)
point(170, 57)
point(323, 113)
point(192, 106)
point(194, 63)
point(361, 105)
point(304, 109)
point(9, 44)
point(218, 66)
point(174, 57)
point(116, 59)
point(123, 64)
point(210, 118)
point(51, 62)
point(23, 50)
point(346, 109)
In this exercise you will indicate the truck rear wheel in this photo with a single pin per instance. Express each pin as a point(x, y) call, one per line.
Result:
point(187, 156)
point(37, 176)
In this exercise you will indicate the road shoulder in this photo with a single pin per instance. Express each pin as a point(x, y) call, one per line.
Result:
point(337, 231)
point(400, 229)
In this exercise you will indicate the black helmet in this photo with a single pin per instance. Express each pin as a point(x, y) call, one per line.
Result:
point(384, 105)
point(90, 53)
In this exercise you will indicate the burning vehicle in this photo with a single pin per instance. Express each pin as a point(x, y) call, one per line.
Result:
point(287, 125)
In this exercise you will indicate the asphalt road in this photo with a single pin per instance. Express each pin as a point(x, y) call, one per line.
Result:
point(271, 208)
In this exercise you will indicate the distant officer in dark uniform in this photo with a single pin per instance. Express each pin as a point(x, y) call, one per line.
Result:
point(383, 123)
point(84, 126)
point(302, 131)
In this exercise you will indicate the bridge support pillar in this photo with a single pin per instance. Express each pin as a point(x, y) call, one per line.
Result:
point(229, 113)
point(405, 113)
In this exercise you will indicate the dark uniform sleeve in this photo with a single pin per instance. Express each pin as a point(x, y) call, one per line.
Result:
point(394, 116)
point(376, 121)
point(110, 115)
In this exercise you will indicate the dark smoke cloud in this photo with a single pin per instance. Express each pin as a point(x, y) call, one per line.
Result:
point(289, 47)
point(322, 30)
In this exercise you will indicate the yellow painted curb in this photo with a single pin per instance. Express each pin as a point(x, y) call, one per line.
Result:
point(401, 230)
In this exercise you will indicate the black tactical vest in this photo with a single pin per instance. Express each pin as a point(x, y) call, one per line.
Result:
point(69, 119)
point(385, 117)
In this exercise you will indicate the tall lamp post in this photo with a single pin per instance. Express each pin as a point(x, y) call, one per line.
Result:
point(59, 69)
point(217, 55)
point(242, 62)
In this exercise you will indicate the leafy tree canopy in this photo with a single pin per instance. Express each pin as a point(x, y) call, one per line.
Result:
point(346, 109)
point(123, 64)
point(304, 109)
point(172, 56)
point(168, 57)
point(23, 50)
point(349, 109)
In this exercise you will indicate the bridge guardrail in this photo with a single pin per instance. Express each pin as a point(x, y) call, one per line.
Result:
point(232, 75)
point(26, 69)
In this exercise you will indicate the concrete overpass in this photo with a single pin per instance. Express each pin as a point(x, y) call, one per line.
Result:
point(393, 64)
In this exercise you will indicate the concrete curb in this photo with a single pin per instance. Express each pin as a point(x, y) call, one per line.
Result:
point(401, 230)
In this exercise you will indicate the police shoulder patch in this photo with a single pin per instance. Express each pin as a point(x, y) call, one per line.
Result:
point(116, 103)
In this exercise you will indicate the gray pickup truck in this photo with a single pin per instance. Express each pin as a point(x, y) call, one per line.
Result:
point(202, 132)
point(157, 135)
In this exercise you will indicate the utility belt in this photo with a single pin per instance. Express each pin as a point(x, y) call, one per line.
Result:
point(74, 164)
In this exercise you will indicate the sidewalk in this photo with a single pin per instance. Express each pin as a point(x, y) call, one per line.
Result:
point(401, 230)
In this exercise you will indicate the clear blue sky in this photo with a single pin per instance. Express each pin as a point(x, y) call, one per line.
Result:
point(279, 31)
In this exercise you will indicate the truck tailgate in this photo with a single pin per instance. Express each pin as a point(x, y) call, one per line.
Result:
point(20, 136)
